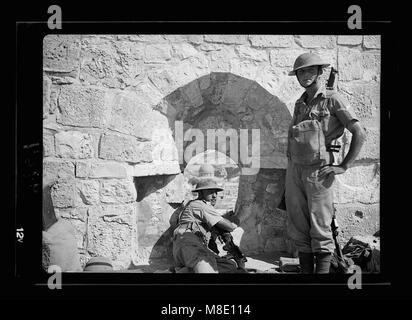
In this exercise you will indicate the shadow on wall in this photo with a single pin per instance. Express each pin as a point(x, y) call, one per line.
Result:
point(229, 102)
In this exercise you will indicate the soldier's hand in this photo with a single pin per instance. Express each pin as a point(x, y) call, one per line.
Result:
point(230, 215)
point(330, 169)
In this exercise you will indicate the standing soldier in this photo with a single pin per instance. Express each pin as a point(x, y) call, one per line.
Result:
point(317, 120)
point(194, 225)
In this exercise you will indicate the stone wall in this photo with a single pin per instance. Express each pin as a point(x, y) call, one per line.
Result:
point(110, 106)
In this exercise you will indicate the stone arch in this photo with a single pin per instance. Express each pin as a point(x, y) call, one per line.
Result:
point(228, 102)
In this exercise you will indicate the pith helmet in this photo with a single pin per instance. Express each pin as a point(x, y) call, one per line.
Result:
point(98, 264)
point(306, 60)
point(207, 184)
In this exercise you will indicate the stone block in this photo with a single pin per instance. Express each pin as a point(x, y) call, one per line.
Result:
point(364, 99)
point(372, 42)
point(184, 50)
point(89, 191)
point(195, 38)
point(350, 40)
point(79, 213)
point(124, 148)
point(226, 39)
point(175, 189)
point(271, 41)
point(163, 145)
point(156, 168)
point(107, 170)
point(371, 148)
point(117, 191)
point(244, 68)
point(46, 95)
point(74, 144)
point(82, 106)
point(358, 65)
point(113, 64)
point(163, 79)
point(132, 117)
point(246, 52)
point(61, 53)
point(316, 41)
point(284, 57)
point(358, 184)
point(54, 169)
point(48, 144)
point(111, 233)
point(190, 69)
point(158, 53)
point(63, 193)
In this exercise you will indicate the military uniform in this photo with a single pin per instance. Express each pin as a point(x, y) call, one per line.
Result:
point(190, 238)
point(309, 199)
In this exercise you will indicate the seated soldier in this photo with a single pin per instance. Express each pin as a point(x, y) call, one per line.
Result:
point(195, 222)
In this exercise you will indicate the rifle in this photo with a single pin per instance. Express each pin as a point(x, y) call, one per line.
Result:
point(341, 263)
point(330, 85)
point(233, 250)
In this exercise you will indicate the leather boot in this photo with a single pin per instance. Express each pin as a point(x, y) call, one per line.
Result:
point(323, 262)
point(306, 262)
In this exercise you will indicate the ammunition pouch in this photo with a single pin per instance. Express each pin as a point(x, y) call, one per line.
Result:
point(307, 143)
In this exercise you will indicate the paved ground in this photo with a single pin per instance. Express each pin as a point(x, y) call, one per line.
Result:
point(262, 263)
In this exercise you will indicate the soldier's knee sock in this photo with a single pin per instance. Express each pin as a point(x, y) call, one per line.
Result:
point(306, 262)
point(323, 262)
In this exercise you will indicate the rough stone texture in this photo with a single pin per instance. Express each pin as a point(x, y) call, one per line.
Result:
point(267, 41)
point(78, 218)
point(309, 41)
point(364, 99)
point(156, 168)
point(372, 42)
point(46, 95)
point(357, 220)
point(360, 184)
point(54, 169)
point(82, 106)
point(61, 53)
point(48, 144)
point(89, 191)
point(124, 148)
point(130, 117)
point(174, 190)
point(63, 193)
point(74, 144)
point(110, 106)
point(350, 40)
point(111, 233)
point(117, 191)
point(106, 169)
point(355, 64)
point(370, 150)
point(227, 39)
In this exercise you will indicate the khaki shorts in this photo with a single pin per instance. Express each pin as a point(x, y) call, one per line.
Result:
point(189, 249)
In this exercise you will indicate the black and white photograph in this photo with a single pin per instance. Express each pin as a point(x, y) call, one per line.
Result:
point(172, 153)
point(154, 153)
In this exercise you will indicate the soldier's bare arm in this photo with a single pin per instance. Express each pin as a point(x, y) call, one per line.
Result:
point(358, 138)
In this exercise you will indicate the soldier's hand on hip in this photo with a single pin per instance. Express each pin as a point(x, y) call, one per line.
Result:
point(330, 169)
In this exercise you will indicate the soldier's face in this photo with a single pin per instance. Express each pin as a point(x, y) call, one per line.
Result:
point(210, 196)
point(307, 76)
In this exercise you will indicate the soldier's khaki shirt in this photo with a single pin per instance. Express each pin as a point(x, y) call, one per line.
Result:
point(201, 214)
point(332, 110)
